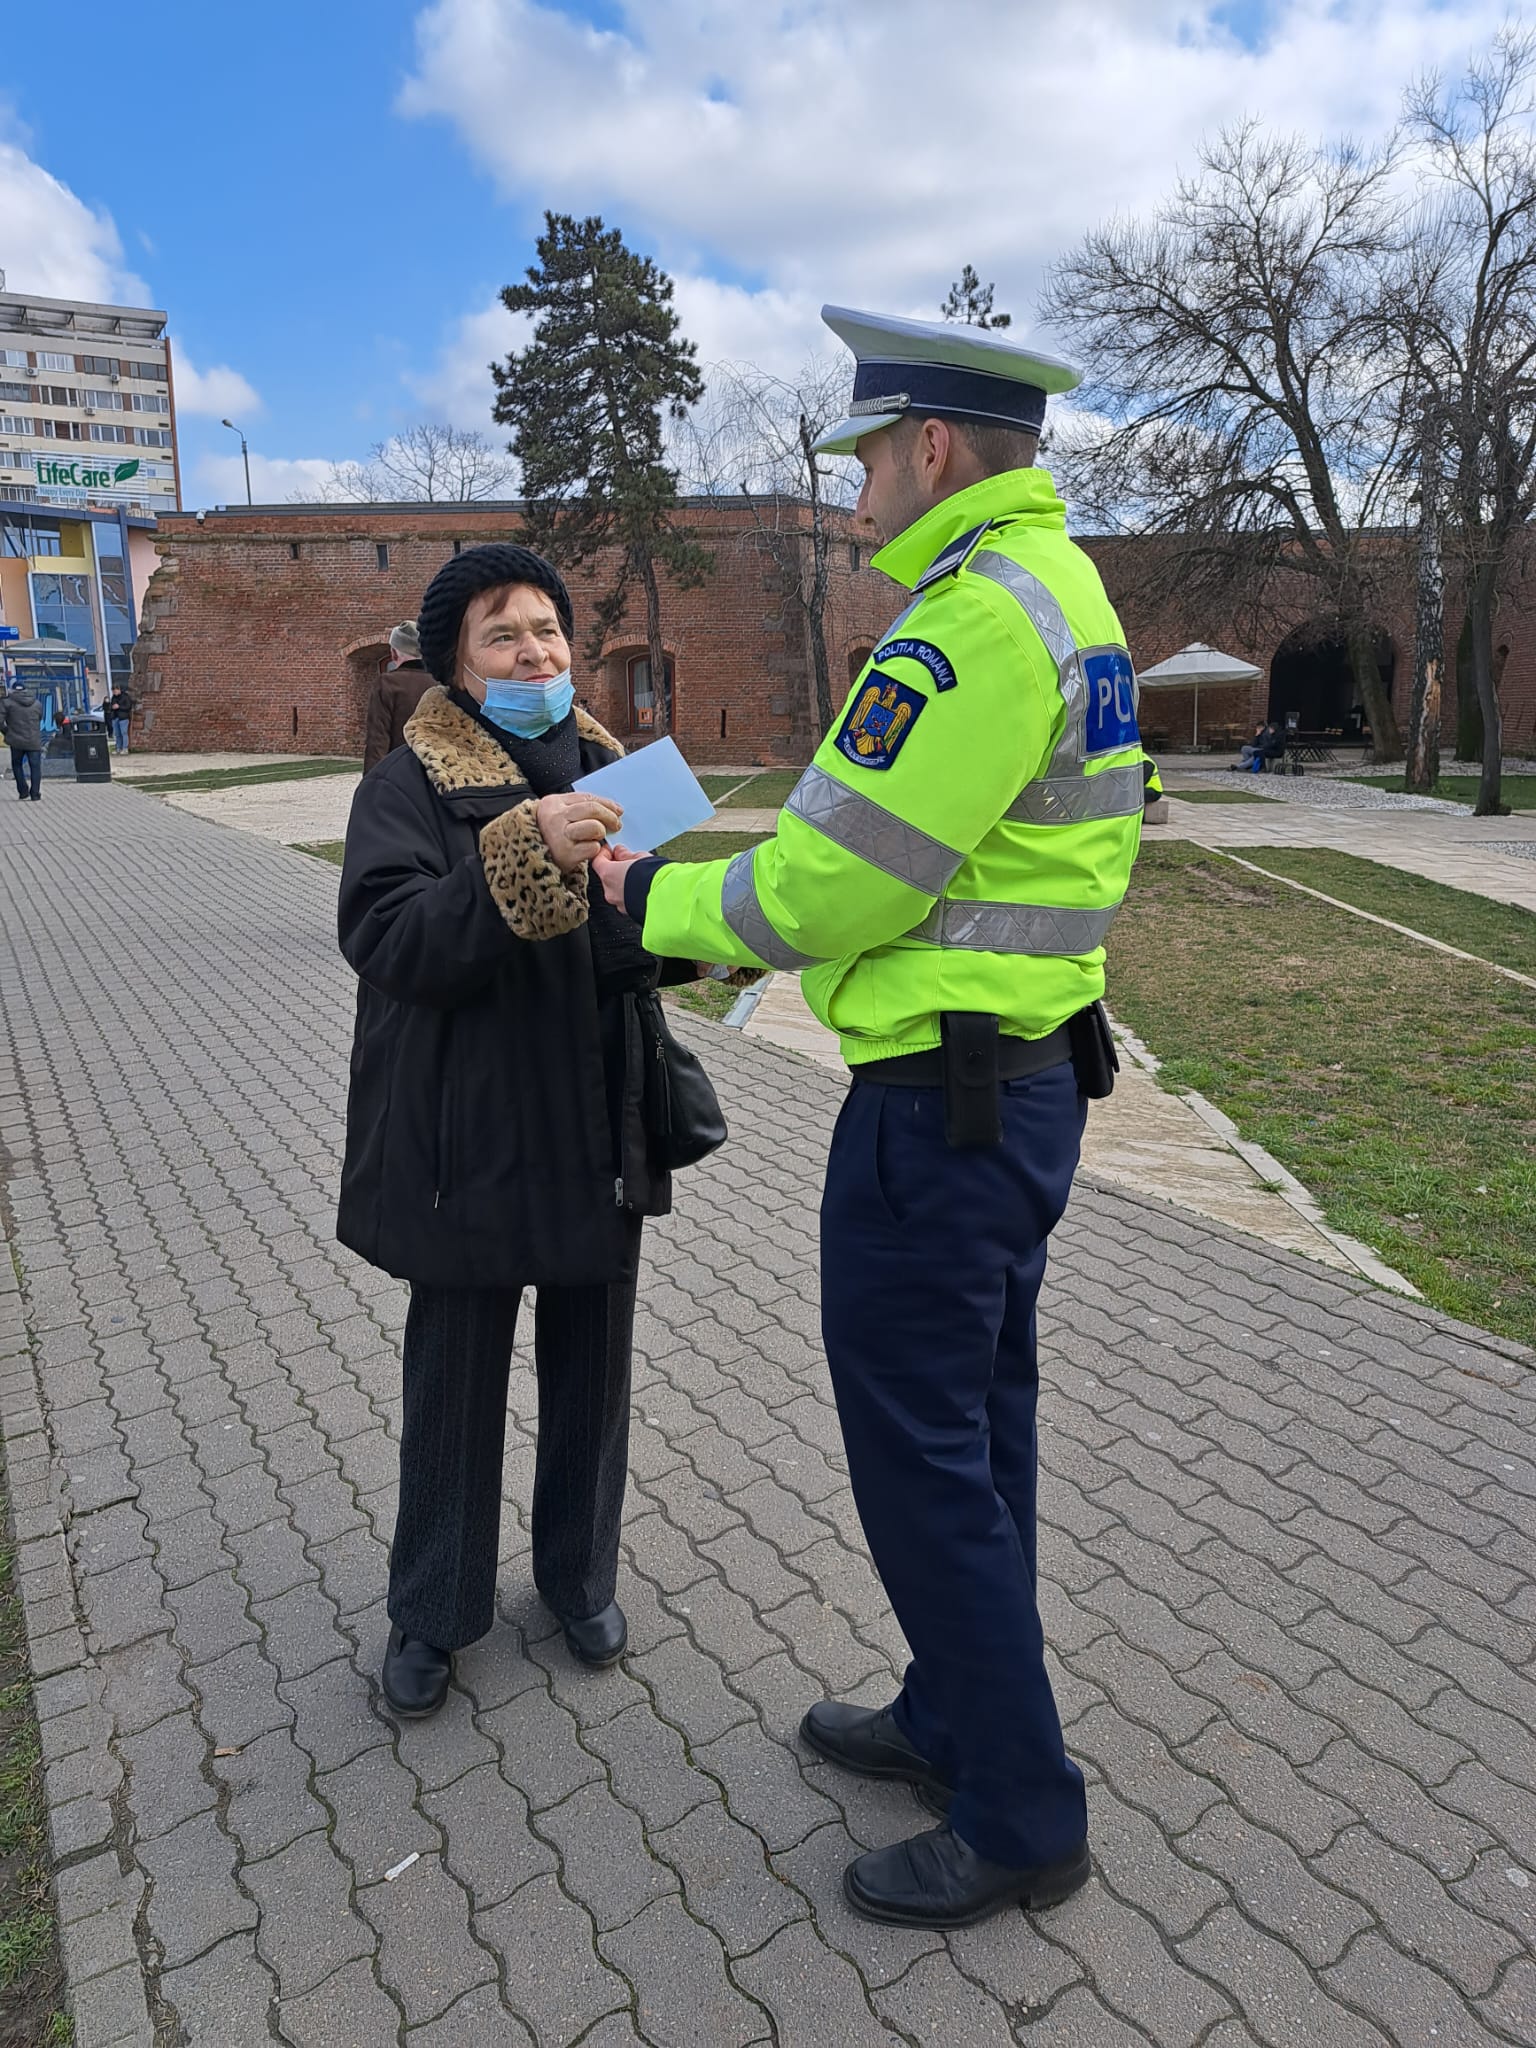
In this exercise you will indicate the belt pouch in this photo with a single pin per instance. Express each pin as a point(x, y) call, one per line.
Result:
point(972, 1116)
point(1095, 1062)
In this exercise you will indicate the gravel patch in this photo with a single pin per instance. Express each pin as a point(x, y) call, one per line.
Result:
point(1321, 792)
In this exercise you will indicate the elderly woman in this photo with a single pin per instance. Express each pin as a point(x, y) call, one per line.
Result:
point(489, 1091)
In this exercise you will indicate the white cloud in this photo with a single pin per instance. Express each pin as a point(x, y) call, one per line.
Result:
point(458, 390)
point(220, 479)
point(216, 391)
point(843, 150)
point(56, 245)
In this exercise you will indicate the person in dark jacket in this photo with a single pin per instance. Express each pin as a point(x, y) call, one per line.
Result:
point(21, 716)
point(395, 696)
point(491, 1083)
point(118, 710)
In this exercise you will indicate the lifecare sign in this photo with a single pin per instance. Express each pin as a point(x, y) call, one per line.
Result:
point(84, 476)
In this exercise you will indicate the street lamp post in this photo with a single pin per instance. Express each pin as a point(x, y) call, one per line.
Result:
point(245, 456)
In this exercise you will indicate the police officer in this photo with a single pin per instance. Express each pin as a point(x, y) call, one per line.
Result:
point(943, 878)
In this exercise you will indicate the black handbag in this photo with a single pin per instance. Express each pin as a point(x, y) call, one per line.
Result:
point(683, 1119)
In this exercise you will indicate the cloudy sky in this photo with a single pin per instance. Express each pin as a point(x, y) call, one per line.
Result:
point(326, 195)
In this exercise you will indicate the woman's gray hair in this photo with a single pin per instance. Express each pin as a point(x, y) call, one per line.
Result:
point(403, 642)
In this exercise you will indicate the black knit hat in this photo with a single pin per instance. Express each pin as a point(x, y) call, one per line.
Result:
point(464, 576)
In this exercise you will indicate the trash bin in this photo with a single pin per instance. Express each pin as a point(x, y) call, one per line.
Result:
point(93, 759)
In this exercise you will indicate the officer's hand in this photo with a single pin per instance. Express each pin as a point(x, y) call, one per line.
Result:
point(575, 827)
point(611, 866)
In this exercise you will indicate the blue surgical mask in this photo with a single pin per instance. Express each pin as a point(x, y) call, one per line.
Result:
point(526, 709)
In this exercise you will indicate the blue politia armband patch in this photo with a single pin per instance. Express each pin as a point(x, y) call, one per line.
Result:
point(934, 659)
point(879, 721)
point(1110, 720)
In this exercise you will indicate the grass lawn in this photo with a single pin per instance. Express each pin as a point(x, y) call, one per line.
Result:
point(241, 778)
point(31, 1978)
point(1217, 796)
point(710, 845)
point(1518, 791)
point(765, 792)
point(1398, 1085)
point(1501, 932)
point(323, 849)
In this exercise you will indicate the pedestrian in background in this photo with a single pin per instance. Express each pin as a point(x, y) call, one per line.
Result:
point(395, 696)
point(119, 709)
point(21, 718)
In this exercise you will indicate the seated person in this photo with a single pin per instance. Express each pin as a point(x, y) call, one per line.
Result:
point(1250, 750)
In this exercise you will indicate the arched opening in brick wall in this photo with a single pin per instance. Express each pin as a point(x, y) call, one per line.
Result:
point(365, 665)
point(630, 695)
point(1312, 685)
point(858, 655)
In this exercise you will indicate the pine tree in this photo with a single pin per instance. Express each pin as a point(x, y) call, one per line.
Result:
point(971, 302)
point(586, 401)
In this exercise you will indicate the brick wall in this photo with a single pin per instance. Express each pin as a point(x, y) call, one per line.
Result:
point(262, 630)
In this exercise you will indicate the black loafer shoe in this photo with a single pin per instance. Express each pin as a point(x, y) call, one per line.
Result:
point(867, 1741)
point(935, 1880)
point(600, 1640)
point(416, 1676)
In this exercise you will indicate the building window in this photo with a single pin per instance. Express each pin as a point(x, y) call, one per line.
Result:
point(48, 362)
point(458, 547)
point(11, 423)
point(61, 606)
point(14, 358)
point(149, 401)
point(14, 391)
point(101, 433)
point(96, 366)
point(154, 371)
point(381, 549)
point(855, 556)
point(152, 437)
point(48, 541)
point(293, 549)
point(642, 698)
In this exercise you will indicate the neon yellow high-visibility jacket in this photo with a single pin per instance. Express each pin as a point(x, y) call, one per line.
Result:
point(966, 832)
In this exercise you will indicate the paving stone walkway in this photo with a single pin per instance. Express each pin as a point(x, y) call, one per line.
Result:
point(1287, 1571)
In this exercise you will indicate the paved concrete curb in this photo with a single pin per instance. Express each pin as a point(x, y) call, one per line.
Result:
point(98, 1901)
point(1265, 1164)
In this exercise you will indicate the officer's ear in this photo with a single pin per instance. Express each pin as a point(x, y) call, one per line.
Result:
point(934, 454)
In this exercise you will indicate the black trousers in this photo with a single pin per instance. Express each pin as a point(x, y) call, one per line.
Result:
point(456, 1358)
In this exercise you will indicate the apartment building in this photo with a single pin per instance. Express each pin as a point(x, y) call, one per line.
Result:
point(87, 406)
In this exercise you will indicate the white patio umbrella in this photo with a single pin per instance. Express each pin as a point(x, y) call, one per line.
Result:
point(1193, 666)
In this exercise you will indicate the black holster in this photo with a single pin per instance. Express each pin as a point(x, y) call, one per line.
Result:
point(1094, 1059)
point(972, 1115)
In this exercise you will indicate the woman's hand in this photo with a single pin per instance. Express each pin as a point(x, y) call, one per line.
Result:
point(576, 827)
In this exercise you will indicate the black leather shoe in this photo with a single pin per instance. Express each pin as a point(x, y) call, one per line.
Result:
point(416, 1676)
point(600, 1640)
point(867, 1741)
point(935, 1880)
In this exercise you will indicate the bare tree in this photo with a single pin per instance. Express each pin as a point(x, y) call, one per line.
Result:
point(1249, 408)
point(970, 301)
point(1423, 769)
point(754, 438)
point(428, 463)
point(1473, 335)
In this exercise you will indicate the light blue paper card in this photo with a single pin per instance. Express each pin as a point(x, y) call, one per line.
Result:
point(661, 795)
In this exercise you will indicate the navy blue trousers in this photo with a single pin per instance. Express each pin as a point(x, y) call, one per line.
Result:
point(931, 1265)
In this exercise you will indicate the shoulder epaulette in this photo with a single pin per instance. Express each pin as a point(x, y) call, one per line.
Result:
point(952, 558)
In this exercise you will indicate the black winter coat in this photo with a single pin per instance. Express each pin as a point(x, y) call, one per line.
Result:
point(480, 1149)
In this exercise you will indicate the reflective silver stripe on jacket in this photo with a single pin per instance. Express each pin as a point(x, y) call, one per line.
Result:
point(1079, 799)
point(863, 827)
point(1015, 928)
point(748, 920)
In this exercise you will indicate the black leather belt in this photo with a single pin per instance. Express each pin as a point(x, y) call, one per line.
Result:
point(1017, 1058)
